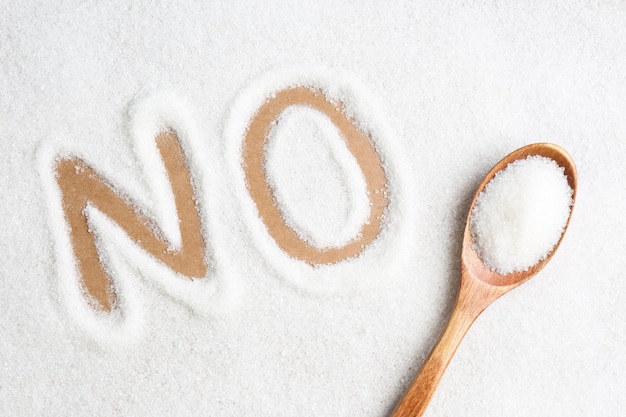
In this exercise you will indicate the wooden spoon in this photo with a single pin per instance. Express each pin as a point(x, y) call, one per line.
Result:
point(479, 288)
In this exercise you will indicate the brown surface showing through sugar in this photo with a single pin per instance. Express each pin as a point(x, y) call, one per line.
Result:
point(358, 144)
point(80, 185)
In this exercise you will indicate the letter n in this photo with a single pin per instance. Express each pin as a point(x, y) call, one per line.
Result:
point(81, 186)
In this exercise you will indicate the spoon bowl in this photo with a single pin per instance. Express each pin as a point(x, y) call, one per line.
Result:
point(471, 263)
point(480, 286)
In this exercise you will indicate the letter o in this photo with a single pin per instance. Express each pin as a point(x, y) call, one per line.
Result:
point(261, 192)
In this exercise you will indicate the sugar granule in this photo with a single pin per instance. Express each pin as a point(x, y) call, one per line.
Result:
point(520, 215)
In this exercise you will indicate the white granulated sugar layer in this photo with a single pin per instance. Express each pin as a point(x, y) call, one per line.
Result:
point(521, 214)
point(445, 89)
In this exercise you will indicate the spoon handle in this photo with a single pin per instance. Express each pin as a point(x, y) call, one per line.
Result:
point(420, 392)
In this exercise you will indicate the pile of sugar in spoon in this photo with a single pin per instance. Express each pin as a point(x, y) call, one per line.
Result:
point(520, 215)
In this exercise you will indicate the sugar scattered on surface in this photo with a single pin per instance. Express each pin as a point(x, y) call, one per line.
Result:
point(459, 83)
point(520, 215)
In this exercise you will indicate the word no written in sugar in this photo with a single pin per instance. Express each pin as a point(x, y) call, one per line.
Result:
point(81, 186)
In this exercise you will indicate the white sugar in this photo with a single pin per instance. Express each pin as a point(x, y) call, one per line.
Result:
point(437, 86)
point(520, 215)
